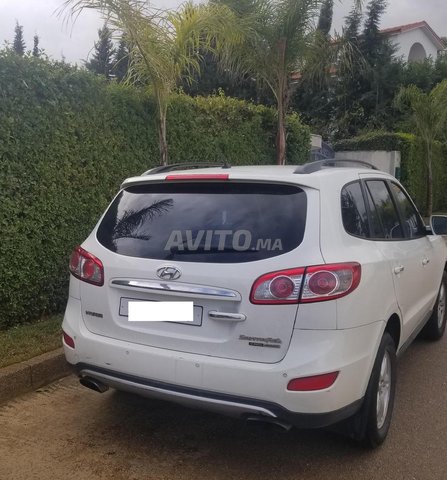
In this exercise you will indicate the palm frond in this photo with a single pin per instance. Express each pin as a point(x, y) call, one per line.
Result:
point(428, 110)
point(131, 222)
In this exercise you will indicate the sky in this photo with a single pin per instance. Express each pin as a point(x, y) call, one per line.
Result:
point(75, 42)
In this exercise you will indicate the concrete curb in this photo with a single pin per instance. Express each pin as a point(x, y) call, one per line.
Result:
point(32, 374)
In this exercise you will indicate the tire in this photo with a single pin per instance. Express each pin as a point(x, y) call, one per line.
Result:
point(435, 327)
point(371, 424)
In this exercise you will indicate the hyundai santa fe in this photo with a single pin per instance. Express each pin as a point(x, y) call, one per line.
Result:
point(306, 283)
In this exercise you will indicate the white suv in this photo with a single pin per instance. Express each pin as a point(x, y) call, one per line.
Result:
point(306, 282)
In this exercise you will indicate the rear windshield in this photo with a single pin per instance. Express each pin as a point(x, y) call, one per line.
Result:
point(209, 222)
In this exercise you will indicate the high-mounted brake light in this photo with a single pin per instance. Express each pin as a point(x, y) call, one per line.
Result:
point(306, 285)
point(86, 267)
point(199, 177)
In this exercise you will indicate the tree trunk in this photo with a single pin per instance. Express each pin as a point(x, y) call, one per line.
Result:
point(281, 134)
point(162, 140)
point(282, 100)
point(429, 181)
point(162, 113)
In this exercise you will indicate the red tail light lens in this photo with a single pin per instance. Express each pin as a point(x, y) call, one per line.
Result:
point(306, 285)
point(278, 287)
point(86, 267)
point(322, 283)
point(282, 287)
point(311, 384)
point(328, 282)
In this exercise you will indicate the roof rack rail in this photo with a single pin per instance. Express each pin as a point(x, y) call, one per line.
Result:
point(312, 167)
point(185, 166)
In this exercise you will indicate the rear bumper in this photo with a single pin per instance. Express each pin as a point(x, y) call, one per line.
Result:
point(218, 402)
point(235, 387)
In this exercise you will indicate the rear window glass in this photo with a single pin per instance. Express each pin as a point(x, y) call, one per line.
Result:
point(212, 222)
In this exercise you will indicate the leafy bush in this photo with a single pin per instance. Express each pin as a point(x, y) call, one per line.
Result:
point(222, 128)
point(413, 165)
point(68, 139)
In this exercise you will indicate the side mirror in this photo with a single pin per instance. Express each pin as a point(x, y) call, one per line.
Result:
point(439, 224)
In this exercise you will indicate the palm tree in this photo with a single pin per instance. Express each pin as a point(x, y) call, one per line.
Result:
point(429, 115)
point(165, 46)
point(280, 40)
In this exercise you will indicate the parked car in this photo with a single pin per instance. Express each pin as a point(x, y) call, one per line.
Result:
point(306, 283)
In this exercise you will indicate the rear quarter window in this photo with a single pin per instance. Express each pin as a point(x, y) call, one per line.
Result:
point(354, 213)
point(209, 222)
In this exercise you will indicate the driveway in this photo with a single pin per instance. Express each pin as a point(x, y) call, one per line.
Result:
point(68, 432)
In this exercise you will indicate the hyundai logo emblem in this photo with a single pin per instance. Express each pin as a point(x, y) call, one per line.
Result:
point(169, 273)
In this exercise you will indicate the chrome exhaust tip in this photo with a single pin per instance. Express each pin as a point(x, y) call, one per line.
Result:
point(268, 420)
point(93, 384)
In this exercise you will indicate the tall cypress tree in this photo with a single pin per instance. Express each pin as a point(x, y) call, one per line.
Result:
point(373, 41)
point(351, 29)
point(378, 53)
point(326, 16)
point(121, 60)
point(19, 44)
point(102, 60)
point(36, 51)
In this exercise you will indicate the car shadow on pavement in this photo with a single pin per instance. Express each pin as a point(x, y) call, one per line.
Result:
point(195, 438)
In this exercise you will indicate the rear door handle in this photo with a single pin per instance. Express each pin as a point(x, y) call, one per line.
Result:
point(228, 317)
point(399, 269)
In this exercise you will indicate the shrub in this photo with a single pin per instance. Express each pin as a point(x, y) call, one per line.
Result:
point(68, 139)
point(413, 165)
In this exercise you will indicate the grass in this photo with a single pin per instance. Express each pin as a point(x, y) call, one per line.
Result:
point(27, 341)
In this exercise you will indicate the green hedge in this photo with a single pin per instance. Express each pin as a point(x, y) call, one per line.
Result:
point(414, 168)
point(218, 128)
point(68, 139)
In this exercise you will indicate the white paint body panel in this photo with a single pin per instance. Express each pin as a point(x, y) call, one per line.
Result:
point(341, 335)
point(310, 352)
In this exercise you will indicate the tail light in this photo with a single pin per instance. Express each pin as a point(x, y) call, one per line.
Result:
point(328, 282)
point(86, 267)
point(278, 287)
point(306, 285)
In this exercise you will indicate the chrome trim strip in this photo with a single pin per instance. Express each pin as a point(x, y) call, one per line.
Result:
point(176, 396)
point(176, 288)
point(231, 317)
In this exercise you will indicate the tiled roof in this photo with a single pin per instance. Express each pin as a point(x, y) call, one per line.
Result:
point(405, 28)
point(413, 26)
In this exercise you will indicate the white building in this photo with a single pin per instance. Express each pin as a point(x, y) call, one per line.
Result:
point(415, 42)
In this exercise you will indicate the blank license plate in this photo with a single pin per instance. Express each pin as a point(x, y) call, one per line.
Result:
point(124, 311)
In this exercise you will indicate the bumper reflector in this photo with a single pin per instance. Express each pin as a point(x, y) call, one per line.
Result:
point(310, 384)
point(68, 340)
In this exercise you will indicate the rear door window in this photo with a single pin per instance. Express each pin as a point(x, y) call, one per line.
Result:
point(207, 222)
point(385, 217)
point(412, 222)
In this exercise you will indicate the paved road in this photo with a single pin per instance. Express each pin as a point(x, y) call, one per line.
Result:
point(68, 432)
